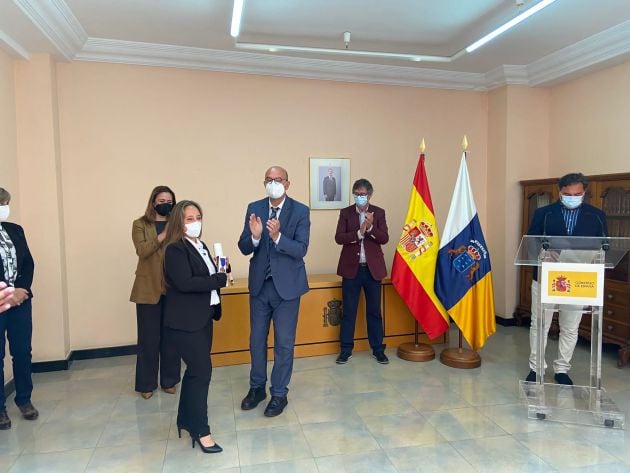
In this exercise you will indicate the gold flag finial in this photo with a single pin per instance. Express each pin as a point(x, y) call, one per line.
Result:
point(465, 143)
point(423, 146)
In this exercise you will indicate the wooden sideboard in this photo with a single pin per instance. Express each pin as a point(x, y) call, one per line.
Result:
point(611, 193)
point(314, 335)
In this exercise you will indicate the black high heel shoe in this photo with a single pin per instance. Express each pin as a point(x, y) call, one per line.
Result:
point(180, 428)
point(216, 448)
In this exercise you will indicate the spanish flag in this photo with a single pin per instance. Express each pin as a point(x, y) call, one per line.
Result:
point(413, 270)
point(463, 280)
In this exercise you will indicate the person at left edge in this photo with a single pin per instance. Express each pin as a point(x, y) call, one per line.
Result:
point(16, 323)
point(155, 352)
point(276, 234)
point(192, 304)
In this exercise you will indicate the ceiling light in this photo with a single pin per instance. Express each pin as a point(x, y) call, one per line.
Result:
point(347, 52)
point(506, 26)
point(237, 13)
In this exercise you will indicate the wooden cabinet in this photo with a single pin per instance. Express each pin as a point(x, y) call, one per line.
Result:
point(314, 335)
point(611, 193)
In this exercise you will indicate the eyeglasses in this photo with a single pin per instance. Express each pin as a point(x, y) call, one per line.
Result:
point(279, 180)
point(361, 194)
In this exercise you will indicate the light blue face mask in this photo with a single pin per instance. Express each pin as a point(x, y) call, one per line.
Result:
point(361, 200)
point(571, 201)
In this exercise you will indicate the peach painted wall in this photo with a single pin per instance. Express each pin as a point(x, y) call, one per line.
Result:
point(124, 129)
point(528, 157)
point(41, 202)
point(497, 164)
point(589, 123)
point(8, 152)
point(518, 142)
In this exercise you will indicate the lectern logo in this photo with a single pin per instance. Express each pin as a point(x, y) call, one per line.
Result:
point(561, 284)
point(416, 238)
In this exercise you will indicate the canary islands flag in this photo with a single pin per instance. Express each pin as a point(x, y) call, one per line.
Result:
point(413, 270)
point(463, 280)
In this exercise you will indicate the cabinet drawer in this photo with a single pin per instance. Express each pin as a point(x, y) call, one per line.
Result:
point(617, 330)
point(617, 297)
point(612, 330)
point(616, 313)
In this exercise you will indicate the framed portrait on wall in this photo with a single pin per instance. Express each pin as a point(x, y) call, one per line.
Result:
point(329, 183)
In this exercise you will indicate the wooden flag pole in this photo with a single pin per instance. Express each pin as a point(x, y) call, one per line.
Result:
point(416, 351)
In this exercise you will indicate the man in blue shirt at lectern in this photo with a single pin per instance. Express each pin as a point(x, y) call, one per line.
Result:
point(569, 216)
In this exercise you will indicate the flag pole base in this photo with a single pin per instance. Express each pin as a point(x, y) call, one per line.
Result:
point(416, 352)
point(461, 358)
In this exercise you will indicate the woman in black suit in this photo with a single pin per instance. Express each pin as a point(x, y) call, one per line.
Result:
point(16, 269)
point(191, 304)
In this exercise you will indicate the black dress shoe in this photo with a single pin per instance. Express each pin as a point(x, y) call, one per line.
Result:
point(28, 411)
point(563, 378)
point(276, 406)
point(5, 421)
point(253, 398)
point(216, 448)
point(343, 358)
point(531, 376)
point(381, 358)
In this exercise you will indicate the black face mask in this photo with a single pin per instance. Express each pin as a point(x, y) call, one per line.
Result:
point(163, 209)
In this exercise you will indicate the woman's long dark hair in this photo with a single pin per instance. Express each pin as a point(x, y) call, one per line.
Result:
point(149, 213)
point(176, 227)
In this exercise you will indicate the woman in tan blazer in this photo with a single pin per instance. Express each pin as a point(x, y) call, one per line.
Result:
point(154, 350)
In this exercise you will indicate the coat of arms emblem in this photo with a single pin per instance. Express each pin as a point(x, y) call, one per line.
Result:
point(466, 260)
point(333, 313)
point(416, 238)
point(561, 284)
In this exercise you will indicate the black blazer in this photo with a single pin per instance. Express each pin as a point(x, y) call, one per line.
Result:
point(26, 265)
point(548, 220)
point(188, 288)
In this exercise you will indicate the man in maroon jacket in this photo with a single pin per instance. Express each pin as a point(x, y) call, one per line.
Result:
point(362, 230)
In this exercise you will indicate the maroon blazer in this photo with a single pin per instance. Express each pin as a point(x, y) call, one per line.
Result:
point(346, 235)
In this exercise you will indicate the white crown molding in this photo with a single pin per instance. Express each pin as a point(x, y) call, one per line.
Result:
point(57, 23)
point(149, 54)
point(506, 75)
point(13, 45)
point(609, 44)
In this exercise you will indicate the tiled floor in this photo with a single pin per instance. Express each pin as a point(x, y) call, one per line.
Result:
point(360, 417)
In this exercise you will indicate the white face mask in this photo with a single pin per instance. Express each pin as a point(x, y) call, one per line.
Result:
point(4, 213)
point(274, 189)
point(193, 230)
point(572, 201)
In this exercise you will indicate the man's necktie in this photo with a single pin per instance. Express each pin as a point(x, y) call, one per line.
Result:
point(274, 214)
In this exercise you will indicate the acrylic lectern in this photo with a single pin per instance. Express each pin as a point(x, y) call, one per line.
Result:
point(571, 272)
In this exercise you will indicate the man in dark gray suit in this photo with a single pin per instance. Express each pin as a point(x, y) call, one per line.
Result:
point(276, 234)
point(329, 186)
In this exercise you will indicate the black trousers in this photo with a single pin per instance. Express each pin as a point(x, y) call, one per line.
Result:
point(155, 350)
point(17, 324)
point(351, 290)
point(194, 348)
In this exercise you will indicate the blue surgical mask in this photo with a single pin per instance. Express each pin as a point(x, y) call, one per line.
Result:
point(361, 200)
point(571, 201)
